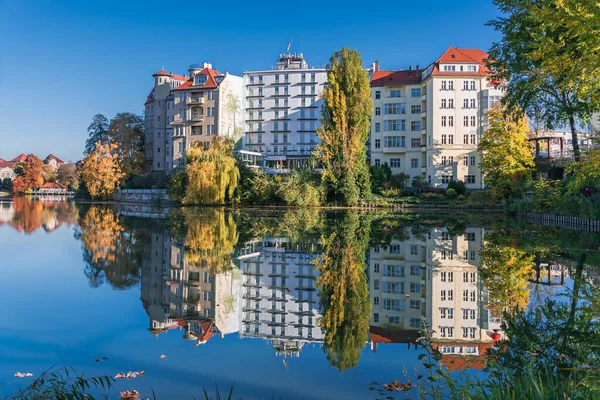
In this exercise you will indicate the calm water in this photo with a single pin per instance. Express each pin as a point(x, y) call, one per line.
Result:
point(303, 304)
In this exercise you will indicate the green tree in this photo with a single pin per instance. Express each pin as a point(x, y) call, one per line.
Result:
point(233, 107)
point(344, 293)
point(345, 128)
point(506, 157)
point(548, 57)
point(126, 130)
point(380, 174)
point(68, 175)
point(97, 131)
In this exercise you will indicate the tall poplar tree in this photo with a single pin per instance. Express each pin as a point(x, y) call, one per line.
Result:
point(345, 128)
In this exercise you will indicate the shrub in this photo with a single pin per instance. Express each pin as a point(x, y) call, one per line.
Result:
point(451, 193)
point(399, 180)
point(301, 188)
point(177, 184)
point(481, 198)
point(390, 192)
point(458, 186)
point(419, 184)
point(432, 195)
point(379, 175)
point(460, 197)
point(153, 180)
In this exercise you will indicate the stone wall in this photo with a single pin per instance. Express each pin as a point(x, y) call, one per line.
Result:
point(142, 196)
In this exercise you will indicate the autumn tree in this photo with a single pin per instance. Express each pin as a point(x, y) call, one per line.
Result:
point(30, 175)
point(345, 128)
point(548, 57)
point(68, 175)
point(506, 156)
point(49, 173)
point(126, 130)
point(344, 292)
point(97, 131)
point(101, 171)
point(212, 173)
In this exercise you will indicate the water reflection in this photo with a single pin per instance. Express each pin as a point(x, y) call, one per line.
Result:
point(344, 281)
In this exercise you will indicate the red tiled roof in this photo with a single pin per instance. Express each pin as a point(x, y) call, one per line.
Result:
point(161, 73)
point(209, 84)
point(402, 77)
point(390, 336)
point(150, 98)
point(52, 185)
point(53, 157)
point(6, 164)
point(455, 362)
point(177, 123)
point(19, 158)
point(461, 56)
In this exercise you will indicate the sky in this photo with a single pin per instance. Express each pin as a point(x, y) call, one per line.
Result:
point(62, 62)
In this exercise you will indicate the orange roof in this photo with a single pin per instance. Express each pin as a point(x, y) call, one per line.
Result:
point(455, 55)
point(6, 164)
point(455, 362)
point(161, 72)
point(20, 158)
point(210, 83)
point(150, 98)
point(51, 185)
point(401, 77)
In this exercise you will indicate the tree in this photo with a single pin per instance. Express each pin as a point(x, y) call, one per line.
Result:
point(6, 184)
point(212, 172)
point(126, 130)
point(548, 57)
point(101, 171)
point(506, 156)
point(345, 126)
point(67, 175)
point(97, 131)
point(233, 107)
point(30, 175)
point(49, 173)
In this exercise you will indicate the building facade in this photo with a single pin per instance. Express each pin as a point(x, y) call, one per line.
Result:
point(283, 108)
point(183, 109)
point(446, 103)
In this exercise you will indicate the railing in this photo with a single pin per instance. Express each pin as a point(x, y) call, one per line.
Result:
point(195, 100)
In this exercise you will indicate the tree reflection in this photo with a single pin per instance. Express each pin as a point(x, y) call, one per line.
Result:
point(30, 215)
point(210, 237)
point(112, 252)
point(344, 293)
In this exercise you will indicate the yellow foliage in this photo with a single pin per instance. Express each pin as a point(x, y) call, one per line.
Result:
point(100, 231)
point(101, 172)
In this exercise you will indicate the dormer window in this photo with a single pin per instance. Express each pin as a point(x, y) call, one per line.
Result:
point(199, 80)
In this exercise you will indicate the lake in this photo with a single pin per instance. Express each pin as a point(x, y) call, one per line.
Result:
point(293, 304)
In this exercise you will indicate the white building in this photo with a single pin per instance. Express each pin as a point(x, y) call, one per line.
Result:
point(280, 299)
point(182, 109)
point(283, 108)
point(451, 96)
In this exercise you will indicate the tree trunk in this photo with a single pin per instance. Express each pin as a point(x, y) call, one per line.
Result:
point(576, 152)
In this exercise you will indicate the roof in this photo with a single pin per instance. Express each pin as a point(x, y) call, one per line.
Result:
point(6, 164)
point(53, 157)
point(455, 362)
point(20, 158)
point(207, 331)
point(455, 55)
point(401, 77)
point(150, 98)
point(391, 336)
point(161, 73)
point(210, 83)
point(52, 185)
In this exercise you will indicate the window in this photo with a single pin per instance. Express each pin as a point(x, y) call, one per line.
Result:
point(444, 140)
point(473, 141)
point(465, 121)
point(393, 304)
point(465, 295)
point(472, 160)
point(375, 301)
point(394, 141)
point(444, 123)
point(472, 103)
point(414, 163)
point(415, 304)
point(377, 143)
point(473, 275)
point(415, 142)
point(451, 295)
point(415, 125)
point(450, 103)
point(473, 121)
point(472, 295)
point(442, 313)
point(465, 276)
point(415, 323)
point(378, 94)
point(443, 293)
point(393, 287)
point(414, 249)
point(450, 85)
point(443, 103)
point(377, 162)
point(472, 85)
point(470, 179)
point(415, 109)
point(451, 313)
point(376, 317)
point(472, 255)
point(394, 320)
point(450, 121)
point(449, 67)
point(394, 163)
point(450, 139)
point(376, 284)
point(415, 92)
point(443, 157)
point(443, 86)
point(395, 93)
point(377, 126)
point(465, 85)
point(415, 287)
point(393, 271)
point(395, 108)
point(377, 111)
point(415, 270)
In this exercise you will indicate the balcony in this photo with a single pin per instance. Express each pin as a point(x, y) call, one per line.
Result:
point(257, 95)
point(255, 107)
point(194, 100)
point(252, 83)
point(424, 114)
point(284, 82)
point(424, 97)
point(424, 131)
point(280, 95)
point(196, 117)
point(307, 83)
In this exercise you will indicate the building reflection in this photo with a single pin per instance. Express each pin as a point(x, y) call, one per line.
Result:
point(27, 215)
point(433, 280)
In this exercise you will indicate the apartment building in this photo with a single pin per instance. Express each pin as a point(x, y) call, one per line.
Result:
point(452, 96)
point(183, 109)
point(432, 280)
point(283, 108)
point(280, 299)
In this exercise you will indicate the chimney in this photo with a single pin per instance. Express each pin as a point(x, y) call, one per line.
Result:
point(206, 65)
point(376, 66)
point(410, 67)
point(417, 66)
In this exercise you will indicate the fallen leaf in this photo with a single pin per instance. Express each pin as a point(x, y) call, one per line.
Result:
point(23, 374)
point(163, 356)
point(130, 395)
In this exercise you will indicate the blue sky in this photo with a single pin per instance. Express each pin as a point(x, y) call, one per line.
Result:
point(62, 62)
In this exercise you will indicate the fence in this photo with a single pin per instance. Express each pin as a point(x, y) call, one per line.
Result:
point(563, 221)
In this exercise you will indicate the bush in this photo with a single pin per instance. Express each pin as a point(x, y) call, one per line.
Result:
point(399, 180)
point(419, 184)
point(177, 184)
point(301, 188)
point(460, 197)
point(379, 175)
point(389, 193)
point(432, 195)
point(481, 198)
point(458, 186)
point(153, 180)
point(451, 193)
